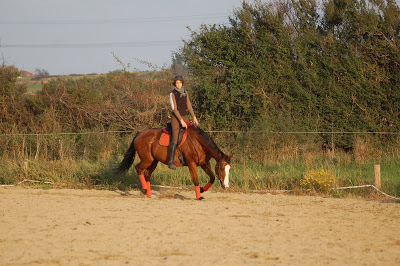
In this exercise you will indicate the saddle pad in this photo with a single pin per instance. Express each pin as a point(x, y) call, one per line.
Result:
point(165, 135)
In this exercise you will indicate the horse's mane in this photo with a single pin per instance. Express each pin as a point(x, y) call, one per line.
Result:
point(210, 142)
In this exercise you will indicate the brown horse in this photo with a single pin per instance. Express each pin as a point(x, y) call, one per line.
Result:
point(197, 150)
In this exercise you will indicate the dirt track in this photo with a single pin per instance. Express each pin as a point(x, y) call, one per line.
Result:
point(89, 227)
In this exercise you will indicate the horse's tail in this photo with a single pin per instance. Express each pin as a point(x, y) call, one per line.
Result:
point(127, 162)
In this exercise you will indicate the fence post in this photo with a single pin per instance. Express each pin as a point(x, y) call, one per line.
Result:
point(377, 174)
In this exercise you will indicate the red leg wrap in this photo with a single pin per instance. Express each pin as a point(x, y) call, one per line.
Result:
point(197, 190)
point(207, 186)
point(143, 181)
point(148, 191)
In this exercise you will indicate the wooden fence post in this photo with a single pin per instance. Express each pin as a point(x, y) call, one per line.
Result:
point(377, 174)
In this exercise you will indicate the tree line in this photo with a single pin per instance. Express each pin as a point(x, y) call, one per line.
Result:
point(299, 66)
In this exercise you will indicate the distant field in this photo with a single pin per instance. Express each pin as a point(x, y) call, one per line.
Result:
point(34, 87)
point(37, 85)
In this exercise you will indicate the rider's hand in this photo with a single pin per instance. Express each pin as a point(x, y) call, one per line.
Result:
point(183, 123)
point(195, 121)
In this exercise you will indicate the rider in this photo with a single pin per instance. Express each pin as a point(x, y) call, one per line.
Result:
point(180, 104)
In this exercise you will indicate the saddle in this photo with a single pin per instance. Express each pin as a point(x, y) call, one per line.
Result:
point(166, 136)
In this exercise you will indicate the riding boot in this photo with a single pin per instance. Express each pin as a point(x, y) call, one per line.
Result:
point(180, 137)
point(171, 151)
point(180, 134)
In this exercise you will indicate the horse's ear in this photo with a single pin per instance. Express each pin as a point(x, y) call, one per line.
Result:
point(230, 156)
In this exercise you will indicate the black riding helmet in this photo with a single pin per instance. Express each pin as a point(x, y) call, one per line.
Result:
point(178, 78)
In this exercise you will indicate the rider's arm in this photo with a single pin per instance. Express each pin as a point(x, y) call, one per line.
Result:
point(190, 108)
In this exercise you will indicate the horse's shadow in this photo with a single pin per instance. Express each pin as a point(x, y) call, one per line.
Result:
point(159, 195)
point(177, 196)
point(123, 193)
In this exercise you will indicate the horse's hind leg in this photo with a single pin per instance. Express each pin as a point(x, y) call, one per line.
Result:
point(195, 179)
point(140, 169)
point(147, 176)
point(141, 176)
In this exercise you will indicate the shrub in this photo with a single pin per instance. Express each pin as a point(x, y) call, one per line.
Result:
point(318, 180)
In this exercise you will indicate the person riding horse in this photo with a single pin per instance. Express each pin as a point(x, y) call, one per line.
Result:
point(180, 104)
point(197, 150)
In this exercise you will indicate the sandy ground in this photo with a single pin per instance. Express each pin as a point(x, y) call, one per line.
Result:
point(92, 227)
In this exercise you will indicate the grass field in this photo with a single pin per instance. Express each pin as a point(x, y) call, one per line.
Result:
point(245, 176)
point(34, 87)
point(37, 85)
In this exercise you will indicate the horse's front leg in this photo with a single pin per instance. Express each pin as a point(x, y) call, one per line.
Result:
point(207, 169)
point(195, 179)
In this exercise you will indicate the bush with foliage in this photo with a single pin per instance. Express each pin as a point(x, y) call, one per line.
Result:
point(328, 67)
point(120, 101)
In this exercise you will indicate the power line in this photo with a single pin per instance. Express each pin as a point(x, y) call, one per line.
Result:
point(112, 21)
point(94, 45)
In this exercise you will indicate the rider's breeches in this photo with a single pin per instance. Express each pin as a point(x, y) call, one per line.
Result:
point(176, 126)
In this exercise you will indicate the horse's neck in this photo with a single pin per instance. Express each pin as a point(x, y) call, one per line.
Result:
point(216, 154)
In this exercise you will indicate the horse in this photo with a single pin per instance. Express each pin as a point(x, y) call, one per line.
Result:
point(197, 150)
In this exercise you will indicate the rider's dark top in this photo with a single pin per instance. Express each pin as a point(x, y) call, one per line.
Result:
point(181, 102)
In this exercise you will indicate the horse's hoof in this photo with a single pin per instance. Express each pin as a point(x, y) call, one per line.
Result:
point(201, 190)
point(143, 191)
point(201, 198)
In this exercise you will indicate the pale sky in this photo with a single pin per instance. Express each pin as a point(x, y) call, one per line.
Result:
point(80, 36)
point(151, 29)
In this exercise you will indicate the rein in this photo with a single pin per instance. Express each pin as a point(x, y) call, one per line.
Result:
point(198, 156)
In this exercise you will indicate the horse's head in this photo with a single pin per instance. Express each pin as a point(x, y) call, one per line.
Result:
point(222, 168)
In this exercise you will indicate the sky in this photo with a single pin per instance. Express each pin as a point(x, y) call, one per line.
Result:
point(90, 36)
point(67, 37)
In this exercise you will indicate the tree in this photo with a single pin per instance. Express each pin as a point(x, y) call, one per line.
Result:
point(41, 73)
point(178, 65)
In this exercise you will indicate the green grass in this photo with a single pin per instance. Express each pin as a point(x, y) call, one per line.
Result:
point(245, 175)
point(34, 87)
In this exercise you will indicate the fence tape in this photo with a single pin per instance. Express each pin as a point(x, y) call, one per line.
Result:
point(363, 186)
point(254, 191)
point(65, 133)
point(209, 131)
point(27, 180)
point(336, 188)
